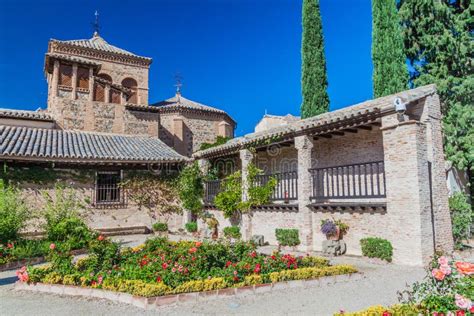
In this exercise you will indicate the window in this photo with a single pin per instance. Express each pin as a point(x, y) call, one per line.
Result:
point(115, 96)
point(99, 92)
point(107, 189)
point(132, 85)
point(83, 77)
point(65, 75)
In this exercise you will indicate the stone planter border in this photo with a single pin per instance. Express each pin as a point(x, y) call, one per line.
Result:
point(154, 303)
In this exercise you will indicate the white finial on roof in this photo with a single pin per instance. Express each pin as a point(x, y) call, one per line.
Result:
point(96, 24)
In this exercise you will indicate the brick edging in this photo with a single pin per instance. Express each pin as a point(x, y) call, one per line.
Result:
point(153, 303)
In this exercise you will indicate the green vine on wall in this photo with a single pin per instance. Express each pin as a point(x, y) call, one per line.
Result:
point(229, 200)
point(191, 189)
point(43, 175)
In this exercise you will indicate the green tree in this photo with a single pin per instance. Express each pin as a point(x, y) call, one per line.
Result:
point(313, 76)
point(438, 37)
point(390, 70)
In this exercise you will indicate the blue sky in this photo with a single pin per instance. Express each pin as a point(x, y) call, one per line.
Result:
point(239, 55)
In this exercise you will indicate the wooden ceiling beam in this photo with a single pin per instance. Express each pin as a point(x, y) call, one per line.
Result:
point(365, 127)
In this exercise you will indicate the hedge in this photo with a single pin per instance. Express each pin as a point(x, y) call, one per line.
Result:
point(374, 247)
point(287, 236)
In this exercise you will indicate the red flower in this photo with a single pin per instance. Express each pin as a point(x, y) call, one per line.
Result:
point(460, 313)
point(10, 245)
point(257, 268)
point(228, 263)
point(193, 250)
point(164, 266)
point(100, 238)
point(198, 244)
point(253, 254)
point(193, 258)
point(236, 278)
point(93, 283)
point(273, 257)
point(158, 279)
point(52, 246)
point(471, 310)
point(386, 313)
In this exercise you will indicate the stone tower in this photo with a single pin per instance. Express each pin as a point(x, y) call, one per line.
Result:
point(90, 82)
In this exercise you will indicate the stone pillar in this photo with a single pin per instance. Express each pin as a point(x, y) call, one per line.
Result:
point(204, 165)
point(246, 158)
point(91, 84)
point(304, 146)
point(431, 117)
point(107, 93)
point(74, 81)
point(55, 78)
point(408, 219)
point(178, 133)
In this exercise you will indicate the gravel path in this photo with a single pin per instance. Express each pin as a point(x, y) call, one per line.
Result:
point(379, 286)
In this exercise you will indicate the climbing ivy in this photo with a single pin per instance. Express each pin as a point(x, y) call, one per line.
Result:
point(191, 189)
point(230, 201)
point(43, 175)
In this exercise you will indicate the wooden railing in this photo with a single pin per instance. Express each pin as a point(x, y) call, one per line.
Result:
point(286, 188)
point(357, 181)
point(211, 189)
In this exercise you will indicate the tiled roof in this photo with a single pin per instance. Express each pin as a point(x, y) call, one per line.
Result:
point(29, 115)
point(98, 43)
point(71, 58)
point(176, 103)
point(27, 143)
point(366, 108)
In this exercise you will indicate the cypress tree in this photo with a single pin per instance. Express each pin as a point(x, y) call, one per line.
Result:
point(313, 75)
point(390, 71)
point(438, 37)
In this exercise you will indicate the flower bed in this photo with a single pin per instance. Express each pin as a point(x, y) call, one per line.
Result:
point(161, 267)
point(447, 290)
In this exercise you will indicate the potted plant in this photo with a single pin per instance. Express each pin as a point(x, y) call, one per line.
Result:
point(334, 230)
point(192, 227)
point(213, 223)
point(160, 229)
point(232, 233)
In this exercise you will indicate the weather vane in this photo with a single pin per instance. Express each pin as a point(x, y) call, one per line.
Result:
point(96, 23)
point(178, 84)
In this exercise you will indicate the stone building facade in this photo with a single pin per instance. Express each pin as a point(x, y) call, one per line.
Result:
point(380, 171)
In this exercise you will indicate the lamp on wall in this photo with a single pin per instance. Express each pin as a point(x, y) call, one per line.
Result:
point(400, 108)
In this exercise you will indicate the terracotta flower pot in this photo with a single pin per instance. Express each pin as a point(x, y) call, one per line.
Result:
point(337, 235)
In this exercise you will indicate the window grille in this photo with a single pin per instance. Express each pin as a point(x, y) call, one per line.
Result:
point(65, 75)
point(107, 189)
point(83, 77)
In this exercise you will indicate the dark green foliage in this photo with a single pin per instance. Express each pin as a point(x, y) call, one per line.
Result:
point(287, 236)
point(191, 227)
point(462, 217)
point(191, 190)
point(390, 71)
point(72, 231)
point(160, 227)
point(103, 255)
point(13, 213)
point(313, 73)
point(374, 247)
point(232, 232)
point(220, 140)
point(438, 36)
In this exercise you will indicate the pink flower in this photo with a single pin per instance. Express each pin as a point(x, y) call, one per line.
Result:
point(446, 269)
point(462, 302)
point(443, 261)
point(52, 246)
point(164, 266)
point(22, 274)
point(438, 274)
point(100, 279)
point(10, 245)
point(235, 272)
point(100, 238)
point(460, 313)
point(193, 250)
point(173, 270)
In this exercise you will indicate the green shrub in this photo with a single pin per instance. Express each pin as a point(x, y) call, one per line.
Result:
point(191, 227)
point(462, 217)
point(374, 247)
point(160, 227)
point(287, 236)
point(63, 221)
point(13, 213)
point(191, 188)
point(232, 232)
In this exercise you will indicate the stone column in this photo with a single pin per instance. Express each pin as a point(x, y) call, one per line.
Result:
point(408, 219)
point(91, 84)
point(304, 146)
point(204, 165)
point(74, 81)
point(431, 117)
point(246, 158)
point(55, 78)
point(107, 93)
